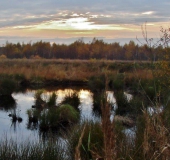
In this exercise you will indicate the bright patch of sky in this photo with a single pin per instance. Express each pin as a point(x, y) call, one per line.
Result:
point(51, 19)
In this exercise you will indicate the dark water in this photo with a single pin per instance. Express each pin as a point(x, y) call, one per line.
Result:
point(24, 101)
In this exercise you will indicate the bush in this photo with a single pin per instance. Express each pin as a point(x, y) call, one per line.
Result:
point(39, 102)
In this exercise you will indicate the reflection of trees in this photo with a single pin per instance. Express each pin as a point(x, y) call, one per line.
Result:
point(7, 102)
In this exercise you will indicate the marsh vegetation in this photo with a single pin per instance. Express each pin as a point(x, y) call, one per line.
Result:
point(124, 127)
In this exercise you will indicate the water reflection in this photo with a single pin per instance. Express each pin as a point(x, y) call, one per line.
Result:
point(25, 101)
point(90, 109)
point(155, 110)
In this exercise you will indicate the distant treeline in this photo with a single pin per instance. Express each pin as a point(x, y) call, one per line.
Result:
point(97, 49)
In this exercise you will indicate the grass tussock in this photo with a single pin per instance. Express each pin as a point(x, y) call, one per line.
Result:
point(72, 99)
point(12, 150)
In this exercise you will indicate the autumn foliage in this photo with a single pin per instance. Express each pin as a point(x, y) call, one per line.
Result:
point(97, 49)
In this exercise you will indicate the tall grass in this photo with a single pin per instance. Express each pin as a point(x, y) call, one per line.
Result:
point(85, 141)
point(108, 140)
point(72, 99)
point(41, 71)
point(12, 150)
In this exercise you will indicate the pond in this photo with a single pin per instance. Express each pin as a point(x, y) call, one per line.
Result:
point(25, 100)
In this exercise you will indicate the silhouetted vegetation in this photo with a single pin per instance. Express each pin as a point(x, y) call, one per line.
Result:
point(7, 102)
point(72, 99)
point(7, 87)
point(97, 49)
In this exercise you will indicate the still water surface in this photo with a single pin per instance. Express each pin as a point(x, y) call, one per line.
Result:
point(24, 101)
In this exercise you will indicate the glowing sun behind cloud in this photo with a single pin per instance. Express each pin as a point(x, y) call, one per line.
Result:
point(76, 23)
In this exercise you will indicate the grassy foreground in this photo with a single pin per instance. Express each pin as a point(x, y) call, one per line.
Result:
point(107, 140)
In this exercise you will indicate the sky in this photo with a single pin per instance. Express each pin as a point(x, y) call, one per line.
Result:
point(64, 21)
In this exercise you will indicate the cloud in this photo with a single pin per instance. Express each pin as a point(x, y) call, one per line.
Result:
point(90, 17)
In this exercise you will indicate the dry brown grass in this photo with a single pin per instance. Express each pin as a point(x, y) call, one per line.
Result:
point(80, 70)
point(51, 69)
point(156, 143)
point(77, 150)
point(108, 132)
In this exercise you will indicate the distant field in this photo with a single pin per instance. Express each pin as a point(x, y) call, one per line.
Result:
point(67, 69)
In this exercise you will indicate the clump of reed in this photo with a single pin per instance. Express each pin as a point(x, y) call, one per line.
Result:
point(52, 117)
point(28, 150)
point(109, 138)
point(33, 115)
point(42, 103)
point(122, 103)
point(152, 137)
point(60, 117)
point(86, 140)
point(95, 140)
point(39, 102)
point(52, 100)
point(67, 114)
point(72, 99)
